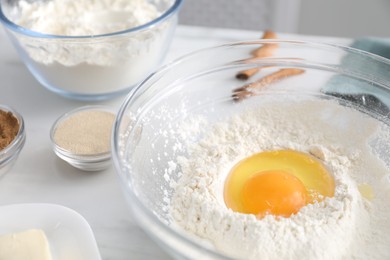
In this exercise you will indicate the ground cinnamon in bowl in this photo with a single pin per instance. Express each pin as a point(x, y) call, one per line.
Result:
point(9, 128)
point(12, 137)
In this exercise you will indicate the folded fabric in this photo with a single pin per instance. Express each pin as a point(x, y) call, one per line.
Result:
point(378, 46)
point(360, 91)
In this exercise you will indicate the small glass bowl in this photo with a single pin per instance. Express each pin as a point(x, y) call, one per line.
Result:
point(9, 154)
point(85, 162)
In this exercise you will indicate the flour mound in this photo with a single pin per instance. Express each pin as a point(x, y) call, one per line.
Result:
point(346, 226)
point(85, 17)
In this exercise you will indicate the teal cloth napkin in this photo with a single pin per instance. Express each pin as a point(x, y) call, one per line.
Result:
point(378, 46)
point(360, 91)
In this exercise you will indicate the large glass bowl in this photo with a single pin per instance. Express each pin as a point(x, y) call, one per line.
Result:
point(92, 67)
point(201, 85)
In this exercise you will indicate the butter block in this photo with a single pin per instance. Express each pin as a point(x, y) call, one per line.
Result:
point(30, 244)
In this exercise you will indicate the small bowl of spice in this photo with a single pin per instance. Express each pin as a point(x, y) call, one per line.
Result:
point(12, 137)
point(82, 137)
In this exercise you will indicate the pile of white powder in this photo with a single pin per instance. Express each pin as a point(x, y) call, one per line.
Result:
point(85, 17)
point(93, 65)
point(349, 225)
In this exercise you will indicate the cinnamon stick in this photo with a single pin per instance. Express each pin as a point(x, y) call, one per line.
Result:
point(266, 50)
point(246, 74)
point(249, 89)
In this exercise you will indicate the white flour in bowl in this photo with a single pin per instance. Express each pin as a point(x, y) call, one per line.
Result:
point(93, 65)
point(349, 225)
point(85, 17)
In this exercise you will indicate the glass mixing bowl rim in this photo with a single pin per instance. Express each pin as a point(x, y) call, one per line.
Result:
point(173, 9)
point(261, 61)
point(118, 163)
point(312, 44)
point(268, 60)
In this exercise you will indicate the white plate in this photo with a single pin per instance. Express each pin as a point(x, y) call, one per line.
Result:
point(68, 233)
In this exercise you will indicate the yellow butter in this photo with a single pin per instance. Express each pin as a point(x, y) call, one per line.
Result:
point(31, 244)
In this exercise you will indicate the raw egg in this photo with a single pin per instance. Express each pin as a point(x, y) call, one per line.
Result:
point(277, 182)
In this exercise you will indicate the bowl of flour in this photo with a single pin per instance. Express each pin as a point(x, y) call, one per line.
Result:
point(90, 50)
point(179, 136)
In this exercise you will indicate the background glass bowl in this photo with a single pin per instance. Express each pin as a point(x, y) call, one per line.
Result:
point(93, 67)
point(201, 84)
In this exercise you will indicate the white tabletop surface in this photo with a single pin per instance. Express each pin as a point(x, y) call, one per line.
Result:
point(39, 176)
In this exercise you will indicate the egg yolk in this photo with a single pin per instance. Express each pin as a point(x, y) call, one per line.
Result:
point(273, 192)
point(277, 182)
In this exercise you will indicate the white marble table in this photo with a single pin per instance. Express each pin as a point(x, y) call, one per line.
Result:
point(39, 176)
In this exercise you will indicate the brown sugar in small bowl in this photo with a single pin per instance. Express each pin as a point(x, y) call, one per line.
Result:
point(12, 137)
point(82, 137)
